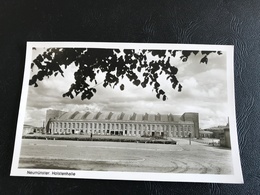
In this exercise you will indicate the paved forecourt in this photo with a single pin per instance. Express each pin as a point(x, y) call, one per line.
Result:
point(123, 156)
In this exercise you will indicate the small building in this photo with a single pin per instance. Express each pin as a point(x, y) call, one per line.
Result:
point(205, 134)
point(28, 129)
point(217, 131)
point(225, 138)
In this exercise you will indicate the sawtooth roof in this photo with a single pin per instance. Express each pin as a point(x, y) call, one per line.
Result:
point(119, 116)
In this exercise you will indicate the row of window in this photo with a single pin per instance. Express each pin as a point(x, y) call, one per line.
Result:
point(118, 126)
point(60, 131)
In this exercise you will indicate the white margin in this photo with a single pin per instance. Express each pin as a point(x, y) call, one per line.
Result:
point(237, 177)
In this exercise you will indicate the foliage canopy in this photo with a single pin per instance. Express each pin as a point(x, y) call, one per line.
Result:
point(115, 64)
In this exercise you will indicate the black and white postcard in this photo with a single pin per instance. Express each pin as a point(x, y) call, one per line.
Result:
point(128, 111)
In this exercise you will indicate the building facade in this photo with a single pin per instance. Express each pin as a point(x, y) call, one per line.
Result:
point(28, 129)
point(217, 131)
point(109, 123)
point(225, 138)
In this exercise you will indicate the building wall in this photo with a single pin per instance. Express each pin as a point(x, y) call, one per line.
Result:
point(225, 139)
point(121, 128)
point(27, 129)
point(194, 117)
point(180, 128)
point(52, 115)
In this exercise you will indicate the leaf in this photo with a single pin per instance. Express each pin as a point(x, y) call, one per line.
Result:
point(204, 60)
point(184, 59)
point(186, 53)
point(195, 52)
point(164, 97)
point(143, 84)
point(159, 53)
point(207, 52)
point(137, 82)
point(122, 87)
point(156, 85)
point(39, 58)
point(174, 70)
point(179, 87)
point(89, 95)
point(161, 92)
point(173, 53)
point(94, 90)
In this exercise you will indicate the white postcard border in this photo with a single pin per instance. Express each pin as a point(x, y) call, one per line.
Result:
point(237, 177)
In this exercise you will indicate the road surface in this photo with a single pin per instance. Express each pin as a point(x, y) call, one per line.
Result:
point(122, 156)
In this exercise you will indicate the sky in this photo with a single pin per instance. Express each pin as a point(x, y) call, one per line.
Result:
point(204, 91)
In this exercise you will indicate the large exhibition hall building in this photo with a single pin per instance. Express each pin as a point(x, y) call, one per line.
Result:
point(110, 123)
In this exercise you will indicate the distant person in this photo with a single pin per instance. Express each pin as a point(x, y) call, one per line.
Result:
point(91, 135)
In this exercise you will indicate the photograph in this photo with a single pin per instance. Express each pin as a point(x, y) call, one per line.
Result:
point(128, 111)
